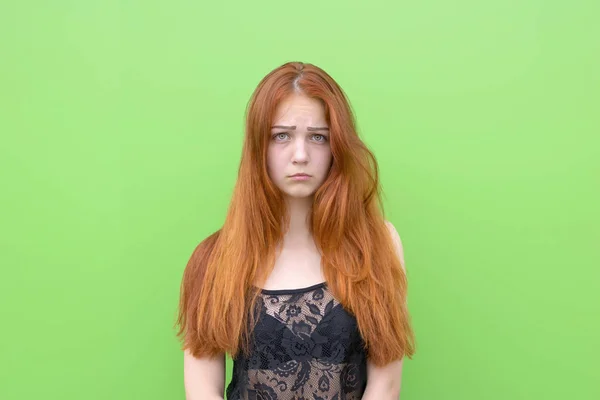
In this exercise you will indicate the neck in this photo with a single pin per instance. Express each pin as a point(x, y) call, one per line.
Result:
point(299, 210)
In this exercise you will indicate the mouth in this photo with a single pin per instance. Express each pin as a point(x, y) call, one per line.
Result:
point(299, 177)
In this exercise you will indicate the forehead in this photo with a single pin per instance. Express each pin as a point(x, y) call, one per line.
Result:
point(298, 106)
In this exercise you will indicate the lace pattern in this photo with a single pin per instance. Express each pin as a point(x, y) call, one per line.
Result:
point(305, 346)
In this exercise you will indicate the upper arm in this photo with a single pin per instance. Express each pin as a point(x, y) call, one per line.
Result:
point(384, 382)
point(204, 378)
point(397, 243)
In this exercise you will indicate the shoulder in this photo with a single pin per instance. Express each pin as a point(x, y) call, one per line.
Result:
point(206, 246)
point(196, 265)
point(394, 234)
point(396, 241)
point(392, 230)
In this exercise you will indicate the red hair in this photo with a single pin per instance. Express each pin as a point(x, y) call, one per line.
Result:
point(363, 271)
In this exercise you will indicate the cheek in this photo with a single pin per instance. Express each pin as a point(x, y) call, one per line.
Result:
point(326, 160)
point(273, 161)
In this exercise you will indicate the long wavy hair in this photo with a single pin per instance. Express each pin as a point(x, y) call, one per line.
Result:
point(219, 289)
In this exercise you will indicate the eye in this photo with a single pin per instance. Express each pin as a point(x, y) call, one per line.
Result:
point(323, 138)
point(278, 135)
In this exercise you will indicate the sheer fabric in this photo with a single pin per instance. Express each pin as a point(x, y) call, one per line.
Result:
point(304, 346)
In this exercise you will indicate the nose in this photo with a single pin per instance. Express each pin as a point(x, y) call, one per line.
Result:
point(300, 154)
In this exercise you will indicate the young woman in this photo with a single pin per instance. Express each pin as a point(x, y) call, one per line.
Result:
point(304, 285)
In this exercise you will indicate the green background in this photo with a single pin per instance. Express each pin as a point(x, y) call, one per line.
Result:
point(121, 129)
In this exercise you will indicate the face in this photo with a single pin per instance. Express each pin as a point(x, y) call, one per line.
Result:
point(299, 143)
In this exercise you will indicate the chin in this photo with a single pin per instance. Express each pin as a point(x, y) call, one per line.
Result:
point(299, 194)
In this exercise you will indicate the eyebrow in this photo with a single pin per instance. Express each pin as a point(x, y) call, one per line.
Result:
point(309, 128)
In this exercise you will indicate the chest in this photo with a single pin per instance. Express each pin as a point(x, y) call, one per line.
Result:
point(295, 268)
point(303, 325)
point(304, 345)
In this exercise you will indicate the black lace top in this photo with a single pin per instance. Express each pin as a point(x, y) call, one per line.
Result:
point(304, 346)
